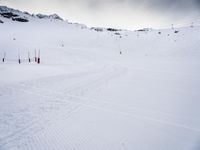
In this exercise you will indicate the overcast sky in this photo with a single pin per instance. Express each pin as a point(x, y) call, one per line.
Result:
point(128, 14)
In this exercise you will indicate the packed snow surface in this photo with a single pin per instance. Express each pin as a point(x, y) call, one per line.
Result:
point(85, 95)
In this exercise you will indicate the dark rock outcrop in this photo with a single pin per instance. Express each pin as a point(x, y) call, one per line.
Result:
point(112, 29)
point(8, 15)
point(20, 19)
point(15, 15)
point(97, 29)
point(53, 16)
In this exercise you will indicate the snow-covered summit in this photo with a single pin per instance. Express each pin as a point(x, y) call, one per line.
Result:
point(53, 16)
point(5, 9)
point(16, 15)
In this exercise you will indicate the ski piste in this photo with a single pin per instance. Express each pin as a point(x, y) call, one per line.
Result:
point(97, 88)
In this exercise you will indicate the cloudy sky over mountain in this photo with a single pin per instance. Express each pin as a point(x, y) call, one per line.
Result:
point(130, 14)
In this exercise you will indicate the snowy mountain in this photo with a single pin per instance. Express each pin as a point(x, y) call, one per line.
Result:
point(97, 88)
point(20, 16)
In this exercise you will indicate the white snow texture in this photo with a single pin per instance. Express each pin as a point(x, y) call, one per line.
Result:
point(85, 95)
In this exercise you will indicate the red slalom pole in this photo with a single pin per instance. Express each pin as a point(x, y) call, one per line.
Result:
point(35, 56)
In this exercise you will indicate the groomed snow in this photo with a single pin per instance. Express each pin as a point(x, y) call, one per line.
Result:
point(86, 96)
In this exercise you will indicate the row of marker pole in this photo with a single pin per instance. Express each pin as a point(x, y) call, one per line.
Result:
point(36, 59)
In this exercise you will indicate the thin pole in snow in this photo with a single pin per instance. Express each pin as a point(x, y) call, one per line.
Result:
point(35, 56)
point(38, 57)
point(4, 57)
point(19, 60)
point(29, 59)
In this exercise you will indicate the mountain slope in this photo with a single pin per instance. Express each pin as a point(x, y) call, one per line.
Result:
point(85, 94)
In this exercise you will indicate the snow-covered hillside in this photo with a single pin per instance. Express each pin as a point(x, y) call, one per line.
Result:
point(97, 88)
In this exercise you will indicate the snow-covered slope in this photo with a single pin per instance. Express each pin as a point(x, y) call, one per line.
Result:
point(10, 13)
point(86, 95)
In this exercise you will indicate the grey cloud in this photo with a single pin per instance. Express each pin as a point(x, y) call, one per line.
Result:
point(113, 12)
point(161, 4)
point(197, 2)
point(154, 4)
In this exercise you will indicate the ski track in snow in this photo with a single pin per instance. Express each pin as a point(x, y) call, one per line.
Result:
point(65, 101)
point(59, 100)
point(152, 88)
